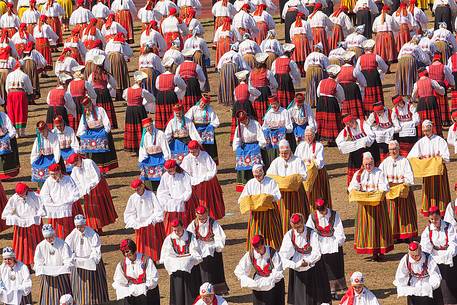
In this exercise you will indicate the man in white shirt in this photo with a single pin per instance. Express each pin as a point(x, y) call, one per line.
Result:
point(15, 281)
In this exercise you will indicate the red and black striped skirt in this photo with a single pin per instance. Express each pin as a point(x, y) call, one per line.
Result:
point(373, 90)
point(301, 51)
point(385, 47)
point(443, 104)
point(319, 35)
point(105, 101)
point(336, 37)
point(164, 108)
point(193, 94)
point(286, 90)
point(149, 240)
point(428, 109)
point(186, 217)
point(98, 206)
point(132, 128)
point(328, 118)
point(25, 241)
point(209, 194)
point(261, 103)
point(124, 17)
point(353, 100)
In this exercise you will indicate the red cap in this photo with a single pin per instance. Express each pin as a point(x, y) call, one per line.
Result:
point(170, 163)
point(206, 98)
point(246, 6)
point(318, 6)
point(436, 56)
point(319, 202)
point(434, 209)
point(200, 210)
point(41, 125)
point(86, 101)
point(9, 4)
point(347, 118)
point(136, 183)
point(146, 122)
point(422, 72)
point(177, 107)
point(241, 115)
point(175, 222)
point(172, 11)
point(193, 145)
point(299, 97)
point(119, 37)
point(124, 246)
point(397, 99)
point(272, 99)
point(54, 167)
point(378, 107)
point(295, 218)
point(21, 188)
point(43, 18)
point(58, 119)
point(80, 2)
point(386, 8)
point(413, 246)
point(73, 158)
point(257, 240)
point(93, 20)
point(153, 23)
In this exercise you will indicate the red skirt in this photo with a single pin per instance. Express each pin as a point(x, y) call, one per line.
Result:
point(17, 108)
point(25, 241)
point(301, 51)
point(132, 128)
point(372, 95)
point(262, 34)
point(209, 194)
point(403, 36)
point(222, 47)
point(56, 25)
point(353, 100)
point(42, 46)
point(385, 46)
point(98, 206)
point(125, 19)
point(64, 226)
point(337, 36)
point(149, 240)
point(443, 104)
point(453, 99)
point(186, 217)
point(328, 118)
point(319, 35)
point(3, 202)
point(30, 27)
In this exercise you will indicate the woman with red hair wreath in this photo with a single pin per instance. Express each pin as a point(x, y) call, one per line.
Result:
point(384, 26)
point(406, 21)
point(302, 38)
point(124, 10)
point(176, 196)
point(44, 38)
point(320, 25)
point(342, 26)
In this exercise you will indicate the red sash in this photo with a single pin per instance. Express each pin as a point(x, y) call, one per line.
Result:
point(210, 235)
point(430, 234)
point(142, 278)
point(327, 231)
point(306, 249)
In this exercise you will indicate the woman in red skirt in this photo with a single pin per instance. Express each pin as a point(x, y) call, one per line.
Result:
point(192, 74)
point(223, 38)
point(124, 10)
point(98, 204)
point(44, 38)
point(24, 211)
point(342, 26)
point(287, 75)
point(384, 26)
point(328, 113)
point(320, 26)
point(60, 102)
point(405, 19)
point(135, 112)
point(302, 38)
point(53, 12)
point(144, 214)
point(264, 22)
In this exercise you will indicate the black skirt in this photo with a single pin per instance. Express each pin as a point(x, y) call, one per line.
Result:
point(436, 300)
point(184, 286)
point(212, 271)
point(274, 296)
point(356, 157)
point(164, 108)
point(108, 160)
point(9, 163)
point(132, 128)
point(290, 18)
point(54, 111)
point(448, 285)
point(443, 14)
point(364, 17)
point(105, 101)
point(334, 265)
point(152, 297)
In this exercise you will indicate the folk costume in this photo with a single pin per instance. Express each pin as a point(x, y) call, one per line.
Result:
point(365, 10)
point(452, 131)
point(287, 75)
point(9, 154)
point(125, 10)
point(342, 26)
point(192, 74)
point(381, 124)
point(406, 23)
point(451, 214)
point(289, 12)
point(320, 25)
point(53, 12)
point(314, 67)
point(119, 53)
point(68, 142)
point(60, 103)
point(405, 119)
point(364, 296)
point(302, 38)
point(386, 27)
point(301, 116)
point(15, 279)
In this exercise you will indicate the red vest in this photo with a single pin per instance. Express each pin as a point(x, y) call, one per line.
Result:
point(134, 97)
point(166, 82)
point(328, 86)
point(188, 69)
point(242, 92)
point(368, 61)
point(436, 71)
point(424, 87)
point(259, 78)
point(100, 83)
point(56, 97)
point(453, 59)
point(346, 75)
point(78, 87)
point(282, 65)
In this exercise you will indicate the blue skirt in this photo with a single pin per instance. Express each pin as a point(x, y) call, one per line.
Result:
point(5, 145)
point(94, 141)
point(178, 150)
point(206, 132)
point(273, 136)
point(151, 168)
point(299, 132)
point(66, 153)
point(247, 155)
point(40, 168)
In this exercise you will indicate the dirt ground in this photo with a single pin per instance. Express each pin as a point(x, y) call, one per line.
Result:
point(379, 275)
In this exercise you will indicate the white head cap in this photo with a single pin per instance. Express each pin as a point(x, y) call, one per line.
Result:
point(288, 47)
point(235, 46)
point(319, 46)
point(206, 288)
point(443, 25)
point(310, 129)
point(78, 68)
point(66, 299)
point(367, 155)
point(357, 278)
point(348, 55)
point(138, 76)
point(256, 167)
point(176, 43)
point(360, 29)
point(98, 59)
point(168, 62)
point(48, 231)
point(284, 144)
point(241, 75)
point(80, 220)
point(333, 69)
point(261, 57)
point(188, 52)
point(427, 123)
point(64, 77)
point(368, 44)
point(8, 252)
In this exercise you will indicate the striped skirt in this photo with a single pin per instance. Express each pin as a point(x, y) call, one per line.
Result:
point(90, 287)
point(209, 194)
point(435, 192)
point(227, 84)
point(150, 82)
point(193, 94)
point(9, 167)
point(352, 103)
point(321, 189)
point(301, 51)
point(30, 68)
point(98, 206)
point(25, 241)
point(373, 232)
point(443, 104)
point(406, 75)
point(132, 128)
point(260, 105)
point(186, 217)
point(373, 90)
point(403, 217)
point(403, 36)
point(105, 101)
point(124, 17)
point(149, 240)
point(406, 144)
point(286, 90)
point(319, 35)
point(222, 47)
point(56, 25)
point(119, 70)
point(64, 226)
point(164, 108)
point(53, 287)
point(314, 75)
point(268, 224)
point(443, 48)
point(328, 118)
point(385, 47)
point(428, 109)
point(290, 203)
point(336, 37)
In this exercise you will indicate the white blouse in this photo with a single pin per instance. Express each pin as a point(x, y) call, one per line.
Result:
point(174, 191)
point(293, 166)
point(172, 261)
point(23, 212)
point(142, 211)
point(85, 247)
point(53, 259)
point(209, 247)
point(86, 177)
point(201, 168)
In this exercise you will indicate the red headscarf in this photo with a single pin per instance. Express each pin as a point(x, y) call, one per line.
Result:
point(412, 5)
point(385, 9)
point(109, 21)
point(402, 10)
point(91, 28)
point(22, 31)
point(342, 8)
point(317, 7)
point(259, 10)
point(64, 54)
point(298, 20)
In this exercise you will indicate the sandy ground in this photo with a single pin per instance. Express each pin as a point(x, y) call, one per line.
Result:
point(379, 275)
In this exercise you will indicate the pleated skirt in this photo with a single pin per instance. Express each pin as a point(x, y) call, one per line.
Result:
point(268, 224)
point(334, 265)
point(184, 286)
point(119, 70)
point(186, 217)
point(428, 109)
point(193, 94)
point(227, 84)
point(274, 296)
point(164, 108)
point(291, 203)
point(98, 206)
point(403, 217)
point(321, 189)
point(132, 127)
point(25, 241)
point(53, 287)
point(209, 194)
point(212, 271)
point(149, 240)
point(286, 90)
point(385, 47)
point(9, 163)
point(352, 103)
point(17, 108)
point(435, 192)
point(328, 118)
point(90, 287)
point(314, 75)
point(64, 226)
point(105, 101)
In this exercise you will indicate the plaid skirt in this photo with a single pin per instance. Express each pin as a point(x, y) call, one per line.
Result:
point(314, 75)
point(301, 51)
point(227, 84)
point(291, 203)
point(373, 232)
point(435, 192)
point(9, 167)
point(193, 94)
point(98, 206)
point(149, 240)
point(90, 287)
point(454, 98)
point(25, 241)
point(443, 104)
point(403, 36)
point(373, 90)
point(406, 144)
point(406, 75)
point(260, 105)
point(385, 47)
point(105, 101)
point(53, 287)
point(428, 109)
point(267, 223)
point(403, 217)
point(286, 90)
point(209, 194)
point(321, 189)
point(164, 108)
point(132, 128)
point(328, 118)
point(353, 100)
